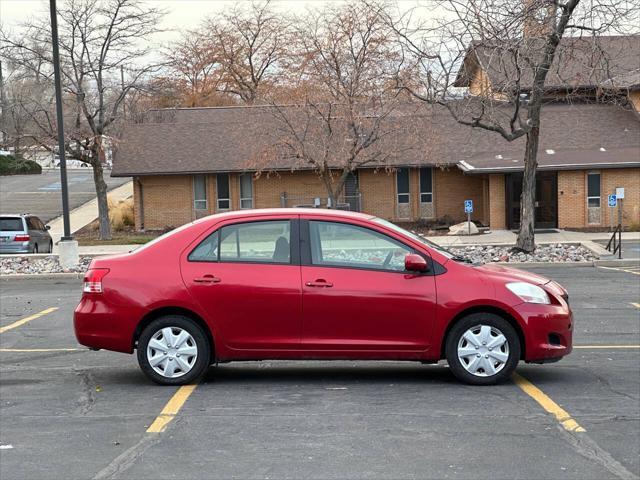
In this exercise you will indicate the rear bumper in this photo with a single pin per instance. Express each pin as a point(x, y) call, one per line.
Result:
point(549, 331)
point(14, 247)
point(101, 325)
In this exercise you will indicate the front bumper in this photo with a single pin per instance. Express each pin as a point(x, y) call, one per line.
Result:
point(548, 331)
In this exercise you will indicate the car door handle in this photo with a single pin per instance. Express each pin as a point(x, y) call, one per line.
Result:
point(207, 279)
point(319, 283)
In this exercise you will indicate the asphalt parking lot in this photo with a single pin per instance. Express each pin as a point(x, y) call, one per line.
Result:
point(40, 194)
point(66, 412)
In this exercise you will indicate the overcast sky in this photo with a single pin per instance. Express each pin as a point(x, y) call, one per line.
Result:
point(182, 14)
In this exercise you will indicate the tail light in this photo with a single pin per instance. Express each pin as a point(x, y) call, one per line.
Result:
point(21, 238)
point(93, 280)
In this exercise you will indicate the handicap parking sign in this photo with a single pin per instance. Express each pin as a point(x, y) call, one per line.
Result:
point(468, 206)
point(613, 200)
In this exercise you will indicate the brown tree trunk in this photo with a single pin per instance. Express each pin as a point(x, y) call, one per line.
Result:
point(101, 193)
point(526, 238)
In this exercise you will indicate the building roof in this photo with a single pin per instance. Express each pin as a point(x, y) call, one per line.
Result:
point(235, 139)
point(579, 63)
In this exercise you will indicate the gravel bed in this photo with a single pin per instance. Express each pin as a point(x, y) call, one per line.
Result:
point(553, 253)
point(478, 254)
point(48, 264)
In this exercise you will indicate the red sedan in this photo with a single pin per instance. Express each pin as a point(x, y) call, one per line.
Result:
point(316, 284)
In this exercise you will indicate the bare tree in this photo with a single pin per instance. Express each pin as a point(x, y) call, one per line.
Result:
point(102, 47)
point(195, 75)
point(248, 45)
point(349, 117)
point(523, 44)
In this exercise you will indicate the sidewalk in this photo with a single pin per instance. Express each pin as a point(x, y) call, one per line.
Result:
point(87, 213)
point(507, 237)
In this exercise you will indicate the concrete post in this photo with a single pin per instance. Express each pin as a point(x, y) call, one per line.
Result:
point(68, 256)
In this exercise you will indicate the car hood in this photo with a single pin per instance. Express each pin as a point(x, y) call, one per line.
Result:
point(511, 274)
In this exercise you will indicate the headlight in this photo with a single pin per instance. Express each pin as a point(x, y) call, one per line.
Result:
point(529, 292)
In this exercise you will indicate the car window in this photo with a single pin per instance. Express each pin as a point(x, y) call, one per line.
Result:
point(435, 246)
point(11, 224)
point(267, 242)
point(31, 224)
point(207, 250)
point(344, 245)
point(39, 224)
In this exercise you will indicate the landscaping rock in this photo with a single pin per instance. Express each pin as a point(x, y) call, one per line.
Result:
point(545, 253)
point(38, 265)
point(463, 229)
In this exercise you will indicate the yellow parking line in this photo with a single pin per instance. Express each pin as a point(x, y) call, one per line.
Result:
point(549, 405)
point(36, 350)
point(607, 346)
point(28, 319)
point(171, 409)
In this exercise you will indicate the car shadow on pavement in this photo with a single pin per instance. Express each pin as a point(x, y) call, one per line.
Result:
point(285, 372)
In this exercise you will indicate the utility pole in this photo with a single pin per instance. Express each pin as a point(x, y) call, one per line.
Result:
point(3, 106)
point(68, 248)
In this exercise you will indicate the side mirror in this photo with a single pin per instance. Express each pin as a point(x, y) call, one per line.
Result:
point(415, 263)
point(47, 227)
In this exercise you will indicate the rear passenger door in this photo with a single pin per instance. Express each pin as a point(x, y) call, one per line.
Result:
point(246, 277)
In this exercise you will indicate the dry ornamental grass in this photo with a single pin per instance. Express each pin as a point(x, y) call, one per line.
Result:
point(121, 214)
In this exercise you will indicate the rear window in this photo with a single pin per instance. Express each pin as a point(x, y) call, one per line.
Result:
point(11, 224)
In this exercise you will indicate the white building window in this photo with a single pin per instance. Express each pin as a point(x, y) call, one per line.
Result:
point(402, 185)
point(246, 190)
point(222, 191)
point(426, 185)
point(200, 192)
point(593, 197)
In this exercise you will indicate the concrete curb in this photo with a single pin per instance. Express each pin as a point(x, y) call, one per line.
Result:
point(37, 256)
point(41, 276)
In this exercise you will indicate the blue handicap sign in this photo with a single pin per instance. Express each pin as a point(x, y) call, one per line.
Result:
point(468, 206)
point(612, 200)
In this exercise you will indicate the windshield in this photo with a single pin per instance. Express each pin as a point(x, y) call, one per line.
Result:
point(414, 236)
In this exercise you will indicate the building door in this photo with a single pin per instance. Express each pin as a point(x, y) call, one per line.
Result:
point(546, 215)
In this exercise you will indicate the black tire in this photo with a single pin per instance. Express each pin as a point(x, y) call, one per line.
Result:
point(469, 322)
point(203, 354)
point(35, 248)
point(50, 247)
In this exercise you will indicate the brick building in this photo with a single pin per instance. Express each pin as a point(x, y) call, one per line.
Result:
point(187, 163)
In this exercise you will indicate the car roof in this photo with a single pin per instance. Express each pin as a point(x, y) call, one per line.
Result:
point(13, 215)
point(291, 212)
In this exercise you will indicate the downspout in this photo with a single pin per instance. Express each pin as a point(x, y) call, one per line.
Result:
point(141, 202)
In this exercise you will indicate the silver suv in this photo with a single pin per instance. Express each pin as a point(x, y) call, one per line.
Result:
point(24, 234)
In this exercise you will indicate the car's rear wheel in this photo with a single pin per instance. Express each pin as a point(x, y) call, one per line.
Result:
point(173, 350)
point(35, 248)
point(482, 349)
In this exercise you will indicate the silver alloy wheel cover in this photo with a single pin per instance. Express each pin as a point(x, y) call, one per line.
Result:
point(483, 351)
point(172, 352)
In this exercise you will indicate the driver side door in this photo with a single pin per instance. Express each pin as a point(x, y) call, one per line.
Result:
point(357, 296)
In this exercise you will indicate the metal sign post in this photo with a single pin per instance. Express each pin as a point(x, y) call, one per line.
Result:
point(468, 209)
point(612, 201)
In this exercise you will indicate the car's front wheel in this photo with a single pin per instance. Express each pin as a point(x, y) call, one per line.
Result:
point(482, 349)
point(173, 350)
